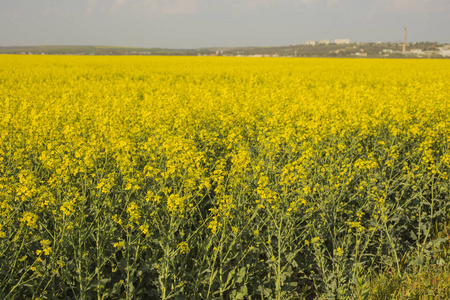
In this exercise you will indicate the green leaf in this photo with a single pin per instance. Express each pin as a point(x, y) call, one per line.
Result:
point(230, 276)
point(240, 294)
point(439, 241)
point(241, 275)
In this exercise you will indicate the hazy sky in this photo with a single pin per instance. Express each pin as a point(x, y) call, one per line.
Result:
point(208, 23)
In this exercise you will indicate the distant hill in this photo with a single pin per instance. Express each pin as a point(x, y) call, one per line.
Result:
point(372, 50)
point(95, 50)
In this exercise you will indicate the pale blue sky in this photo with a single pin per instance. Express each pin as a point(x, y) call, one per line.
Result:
point(210, 23)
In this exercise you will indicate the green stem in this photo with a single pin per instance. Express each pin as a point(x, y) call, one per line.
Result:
point(278, 285)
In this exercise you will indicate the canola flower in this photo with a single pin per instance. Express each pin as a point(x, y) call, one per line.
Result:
point(227, 177)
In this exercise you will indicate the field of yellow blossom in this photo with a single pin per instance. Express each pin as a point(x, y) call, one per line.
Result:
point(219, 178)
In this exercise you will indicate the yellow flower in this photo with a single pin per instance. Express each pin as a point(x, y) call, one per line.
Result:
point(30, 219)
point(144, 229)
point(119, 245)
point(183, 247)
point(61, 263)
point(315, 240)
point(133, 211)
point(46, 249)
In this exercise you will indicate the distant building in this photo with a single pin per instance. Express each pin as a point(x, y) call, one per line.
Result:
point(342, 41)
point(444, 51)
point(417, 51)
point(310, 43)
point(324, 42)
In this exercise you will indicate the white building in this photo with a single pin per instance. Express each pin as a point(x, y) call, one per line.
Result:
point(310, 43)
point(341, 41)
point(417, 51)
point(444, 52)
point(324, 42)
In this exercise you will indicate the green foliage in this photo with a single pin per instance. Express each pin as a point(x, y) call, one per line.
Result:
point(428, 282)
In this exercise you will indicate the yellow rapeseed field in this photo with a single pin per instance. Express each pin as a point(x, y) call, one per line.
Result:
point(218, 178)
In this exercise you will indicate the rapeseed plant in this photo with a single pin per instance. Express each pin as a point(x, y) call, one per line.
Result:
point(230, 178)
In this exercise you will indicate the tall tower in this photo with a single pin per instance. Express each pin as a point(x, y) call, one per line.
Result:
point(404, 40)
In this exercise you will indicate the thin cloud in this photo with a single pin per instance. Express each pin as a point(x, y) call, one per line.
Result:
point(90, 5)
point(180, 7)
point(118, 4)
point(47, 10)
point(420, 9)
point(331, 3)
point(10, 14)
point(157, 7)
point(250, 5)
point(185, 7)
point(408, 6)
point(270, 3)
